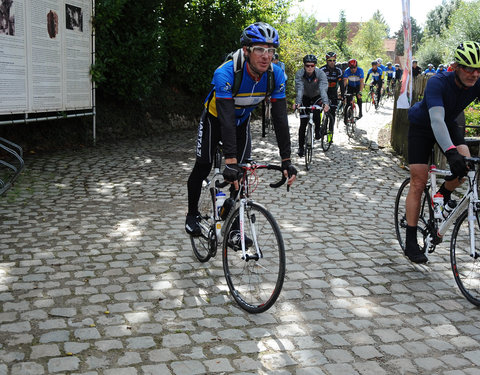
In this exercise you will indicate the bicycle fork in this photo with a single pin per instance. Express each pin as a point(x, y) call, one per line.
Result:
point(245, 256)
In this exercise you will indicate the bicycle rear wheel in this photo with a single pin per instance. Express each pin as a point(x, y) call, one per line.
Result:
point(255, 283)
point(205, 246)
point(327, 137)
point(466, 269)
point(425, 218)
point(309, 146)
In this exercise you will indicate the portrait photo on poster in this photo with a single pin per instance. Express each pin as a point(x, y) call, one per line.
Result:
point(52, 24)
point(7, 17)
point(74, 17)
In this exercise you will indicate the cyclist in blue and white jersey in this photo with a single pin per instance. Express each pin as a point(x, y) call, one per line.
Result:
point(441, 69)
point(376, 73)
point(353, 81)
point(226, 117)
point(390, 72)
point(381, 66)
point(430, 71)
point(438, 119)
point(281, 64)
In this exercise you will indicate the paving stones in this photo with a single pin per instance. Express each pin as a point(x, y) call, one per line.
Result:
point(98, 277)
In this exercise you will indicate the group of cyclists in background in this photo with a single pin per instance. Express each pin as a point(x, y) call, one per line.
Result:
point(329, 83)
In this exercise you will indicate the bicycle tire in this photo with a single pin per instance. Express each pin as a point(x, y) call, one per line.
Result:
point(266, 118)
point(326, 121)
point(425, 218)
point(255, 284)
point(340, 112)
point(309, 146)
point(466, 269)
point(368, 102)
point(205, 245)
point(350, 123)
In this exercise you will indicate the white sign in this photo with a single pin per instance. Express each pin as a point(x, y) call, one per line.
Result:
point(45, 55)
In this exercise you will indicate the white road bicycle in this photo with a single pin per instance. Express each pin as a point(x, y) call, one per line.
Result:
point(465, 218)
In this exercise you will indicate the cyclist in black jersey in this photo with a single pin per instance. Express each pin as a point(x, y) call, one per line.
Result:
point(335, 80)
point(226, 116)
point(438, 118)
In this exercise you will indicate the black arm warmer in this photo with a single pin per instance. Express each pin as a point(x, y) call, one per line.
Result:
point(282, 131)
point(228, 124)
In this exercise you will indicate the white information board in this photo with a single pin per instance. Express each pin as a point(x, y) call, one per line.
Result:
point(45, 55)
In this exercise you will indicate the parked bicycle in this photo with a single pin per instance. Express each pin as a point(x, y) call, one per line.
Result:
point(253, 251)
point(350, 115)
point(11, 164)
point(267, 124)
point(434, 221)
point(310, 132)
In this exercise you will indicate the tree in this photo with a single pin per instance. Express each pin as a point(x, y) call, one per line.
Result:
point(341, 32)
point(417, 35)
point(378, 16)
point(368, 43)
point(438, 19)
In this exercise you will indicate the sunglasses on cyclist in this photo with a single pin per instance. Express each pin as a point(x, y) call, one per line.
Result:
point(260, 51)
point(331, 60)
point(469, 69)
point(309, 65)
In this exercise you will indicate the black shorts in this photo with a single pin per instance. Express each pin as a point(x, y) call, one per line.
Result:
point(209, 135)
point(421, 141)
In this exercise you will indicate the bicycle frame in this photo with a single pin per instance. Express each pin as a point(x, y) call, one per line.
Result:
point(241, 200)
point(469, 201)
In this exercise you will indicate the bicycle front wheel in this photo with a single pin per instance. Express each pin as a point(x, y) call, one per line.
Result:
point(425, 217)
point(466, 269)
point(368, 102)
point(256, 282)
point(327, 136)
point(309, 146)
point(350, 124)
point(205, 245)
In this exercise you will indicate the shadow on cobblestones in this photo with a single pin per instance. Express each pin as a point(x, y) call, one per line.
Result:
point(98, 277)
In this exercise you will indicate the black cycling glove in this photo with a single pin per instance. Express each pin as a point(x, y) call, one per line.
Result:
point(458, 167)
point(232, 172)
point(288, 166)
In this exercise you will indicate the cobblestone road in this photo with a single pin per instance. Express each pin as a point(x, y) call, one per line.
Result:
point(98, 277)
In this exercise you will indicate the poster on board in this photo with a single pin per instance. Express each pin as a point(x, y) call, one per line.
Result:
point(45, 55)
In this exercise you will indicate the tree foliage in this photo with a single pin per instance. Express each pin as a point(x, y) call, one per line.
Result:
point(417, 36)
point(341, 32)
point(438, 19)
point(368, 43)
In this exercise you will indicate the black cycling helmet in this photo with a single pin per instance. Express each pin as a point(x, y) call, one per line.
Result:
point(374, 62)
point(330, 55)
point(310, 59)
point(259, 32)
point(389, 63)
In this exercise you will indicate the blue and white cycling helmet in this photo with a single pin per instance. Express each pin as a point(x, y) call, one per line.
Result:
point(259, 32)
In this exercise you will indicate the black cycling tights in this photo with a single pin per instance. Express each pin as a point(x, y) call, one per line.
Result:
point(199, 173)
